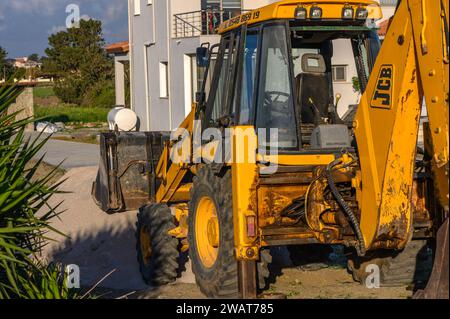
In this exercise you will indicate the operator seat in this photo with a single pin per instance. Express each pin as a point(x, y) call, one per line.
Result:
point(312, 84)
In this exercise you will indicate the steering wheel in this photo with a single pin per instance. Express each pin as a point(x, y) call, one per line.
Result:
point(274, 96)
point(272, 101)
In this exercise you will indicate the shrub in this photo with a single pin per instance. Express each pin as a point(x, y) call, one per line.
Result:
point(101, 95)
point(22, 195)
point(68, 114)
point(70, 90)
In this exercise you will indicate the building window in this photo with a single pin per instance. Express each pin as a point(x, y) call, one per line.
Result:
point(217, 11)
point(163, 80)
point(137, 7)
point(224, 4)
point(339, 73)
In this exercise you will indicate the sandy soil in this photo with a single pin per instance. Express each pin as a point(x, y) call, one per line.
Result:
point(100, 243)
point(45, 169)
point(295, 283)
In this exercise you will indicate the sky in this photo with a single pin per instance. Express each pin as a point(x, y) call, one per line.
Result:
point(25, 25)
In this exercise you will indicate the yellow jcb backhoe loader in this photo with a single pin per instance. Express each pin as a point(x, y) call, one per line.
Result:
point(264, 159)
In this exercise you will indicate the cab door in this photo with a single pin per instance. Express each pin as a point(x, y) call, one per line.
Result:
point(264, 95)
point(219, 112)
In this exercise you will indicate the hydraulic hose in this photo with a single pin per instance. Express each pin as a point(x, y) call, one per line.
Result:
point(361, 247)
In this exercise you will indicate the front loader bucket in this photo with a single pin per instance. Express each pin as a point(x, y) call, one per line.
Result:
point(126, 179)
point(437, 287)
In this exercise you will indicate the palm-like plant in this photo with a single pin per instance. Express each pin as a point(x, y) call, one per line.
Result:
point(24, 211)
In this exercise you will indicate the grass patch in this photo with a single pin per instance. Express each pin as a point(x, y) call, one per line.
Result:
point(71, 114)
point(43, 92)
point(88, 139)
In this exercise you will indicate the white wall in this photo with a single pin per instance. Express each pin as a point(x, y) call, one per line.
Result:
point(388, 11)
point(254, 4)
point(343, 55)
point(183, 6)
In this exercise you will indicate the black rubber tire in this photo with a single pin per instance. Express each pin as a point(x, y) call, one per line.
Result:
point(412, 265)
point(221, 280)
point(162, 268)
point(262, 268)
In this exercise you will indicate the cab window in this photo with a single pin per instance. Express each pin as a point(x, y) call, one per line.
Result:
point(275, 96)
point(220, 95)
point(248, 80)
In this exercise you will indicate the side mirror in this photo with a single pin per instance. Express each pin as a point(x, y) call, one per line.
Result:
point(200, 97)
point(202, 57)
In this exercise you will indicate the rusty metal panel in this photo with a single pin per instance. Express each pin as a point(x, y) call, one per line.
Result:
point(126, 180)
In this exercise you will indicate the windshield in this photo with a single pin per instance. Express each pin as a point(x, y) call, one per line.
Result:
point(275, 99)
point(298, 77)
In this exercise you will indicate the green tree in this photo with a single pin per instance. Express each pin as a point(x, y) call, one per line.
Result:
point(34, 57)
point(5, 68)
point(3, 55)
point(78, 60)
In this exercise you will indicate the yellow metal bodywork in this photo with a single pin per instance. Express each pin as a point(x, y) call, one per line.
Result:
point(207, 231)
point(411, 63)
point(172, 174)
point(286, 9)
point(244, 172)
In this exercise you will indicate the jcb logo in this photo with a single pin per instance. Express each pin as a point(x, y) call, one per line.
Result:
point(382, 97)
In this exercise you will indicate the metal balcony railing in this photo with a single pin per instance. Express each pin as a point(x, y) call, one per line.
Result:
point(202, 22)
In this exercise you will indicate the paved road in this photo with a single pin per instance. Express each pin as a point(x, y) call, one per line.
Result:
point(73, 154)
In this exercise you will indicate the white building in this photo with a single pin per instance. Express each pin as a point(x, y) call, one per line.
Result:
point(25, 63)
point(163, 37)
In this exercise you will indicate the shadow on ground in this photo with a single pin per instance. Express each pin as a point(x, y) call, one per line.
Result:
point(304, 258)
point(99, 252)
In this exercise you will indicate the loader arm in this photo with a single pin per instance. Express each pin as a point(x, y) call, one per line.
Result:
point(412, 65)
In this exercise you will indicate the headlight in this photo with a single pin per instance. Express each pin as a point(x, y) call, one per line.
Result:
point(315, 12)
point(300, 13)
point(361, 13)
point(347, 13)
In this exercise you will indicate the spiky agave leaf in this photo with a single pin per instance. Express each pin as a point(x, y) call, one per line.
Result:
point(22, 230)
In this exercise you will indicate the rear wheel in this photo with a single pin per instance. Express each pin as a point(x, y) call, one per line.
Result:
point(157, 251)
point(410, 266)
point(211, 236)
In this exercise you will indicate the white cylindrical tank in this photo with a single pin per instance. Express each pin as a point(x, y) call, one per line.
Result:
point(123, 119)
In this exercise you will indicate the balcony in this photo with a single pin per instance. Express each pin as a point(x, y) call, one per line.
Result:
point(202, 22)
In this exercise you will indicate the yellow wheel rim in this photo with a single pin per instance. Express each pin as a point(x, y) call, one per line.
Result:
point(207, 231)
point(146, 245)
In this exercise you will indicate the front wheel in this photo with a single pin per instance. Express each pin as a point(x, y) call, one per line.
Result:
point(157, 251)
point(211, 237)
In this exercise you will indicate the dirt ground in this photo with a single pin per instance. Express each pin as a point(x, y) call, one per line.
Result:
point(45, 169)
point(314, 280)
point(320, 277)
point(294, 283)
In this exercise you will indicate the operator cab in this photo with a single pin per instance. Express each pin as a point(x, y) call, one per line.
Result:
point(278, 75)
